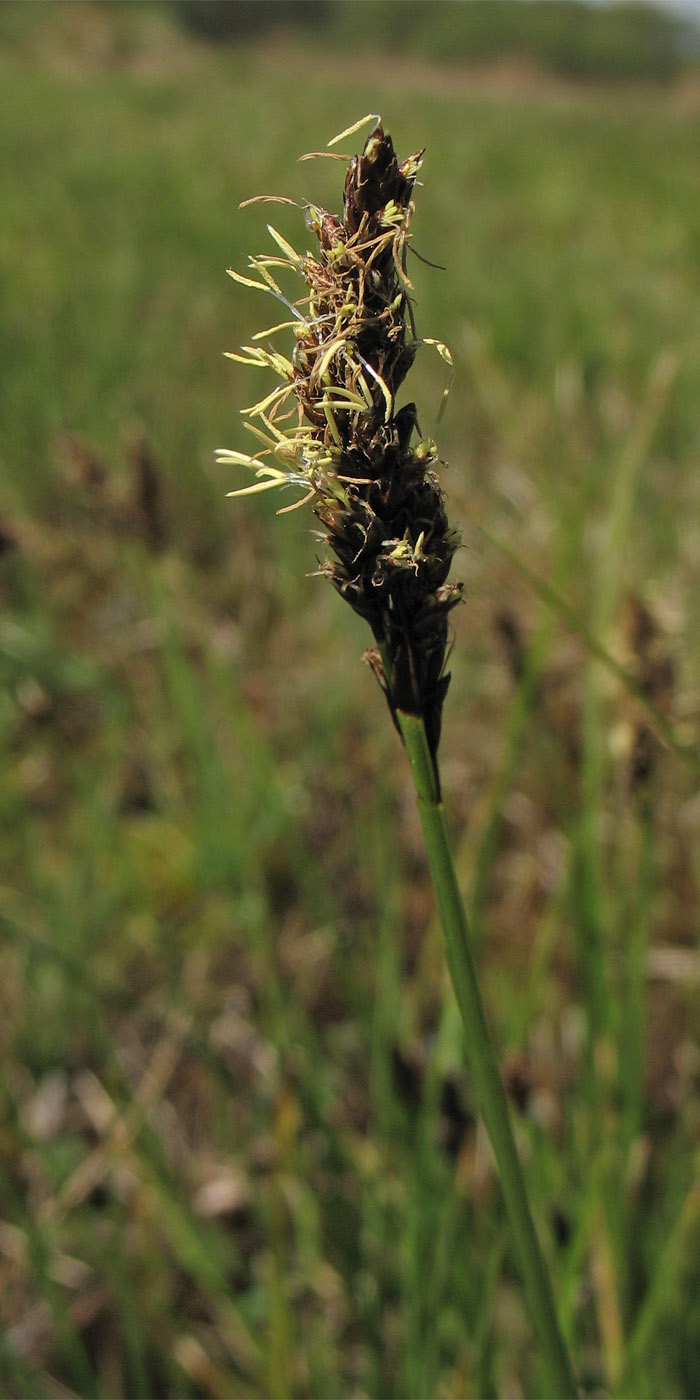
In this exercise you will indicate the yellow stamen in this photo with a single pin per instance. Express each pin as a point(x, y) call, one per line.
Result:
point(284, 245)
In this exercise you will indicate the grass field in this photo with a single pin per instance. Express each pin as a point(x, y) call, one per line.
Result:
point(239, 1148)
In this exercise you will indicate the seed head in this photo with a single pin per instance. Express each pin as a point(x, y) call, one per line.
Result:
point(345, 444)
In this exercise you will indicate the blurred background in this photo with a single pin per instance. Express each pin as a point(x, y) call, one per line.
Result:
point(239, 1148)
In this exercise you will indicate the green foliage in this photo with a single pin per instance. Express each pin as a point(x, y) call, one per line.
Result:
point(239, 1151)
point(629, 41)
point(238, 19)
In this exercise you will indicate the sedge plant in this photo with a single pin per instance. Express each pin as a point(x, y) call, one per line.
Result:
point(331, 428)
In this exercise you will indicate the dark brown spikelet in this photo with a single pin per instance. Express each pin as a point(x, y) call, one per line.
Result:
point(372, 479)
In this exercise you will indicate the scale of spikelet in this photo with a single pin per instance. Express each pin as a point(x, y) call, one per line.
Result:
point(373, 488)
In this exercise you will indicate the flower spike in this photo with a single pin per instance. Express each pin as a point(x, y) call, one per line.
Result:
point(350, 450)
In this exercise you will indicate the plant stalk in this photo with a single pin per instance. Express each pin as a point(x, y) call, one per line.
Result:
point(482, 1060)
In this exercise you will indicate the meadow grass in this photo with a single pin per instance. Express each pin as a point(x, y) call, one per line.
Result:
point(240, 1153)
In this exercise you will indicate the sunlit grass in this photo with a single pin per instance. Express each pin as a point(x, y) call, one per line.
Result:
point(239, 1151)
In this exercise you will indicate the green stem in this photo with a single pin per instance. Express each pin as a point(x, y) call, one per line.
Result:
point(482, 1060)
